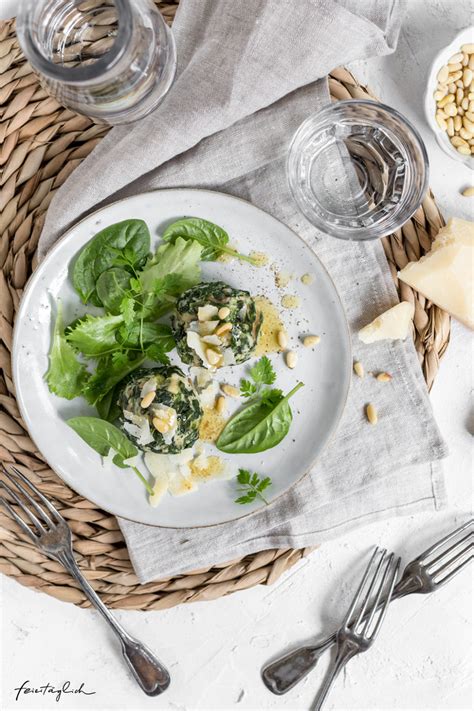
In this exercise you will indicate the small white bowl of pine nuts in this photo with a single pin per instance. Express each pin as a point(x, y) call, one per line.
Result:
point(449, 100)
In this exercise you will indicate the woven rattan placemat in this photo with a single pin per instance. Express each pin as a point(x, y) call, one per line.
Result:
point(41, 143)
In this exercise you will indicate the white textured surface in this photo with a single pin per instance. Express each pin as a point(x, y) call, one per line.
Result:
point(214, 650)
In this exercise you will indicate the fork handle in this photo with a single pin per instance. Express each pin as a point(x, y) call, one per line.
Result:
point(150, 674)
point(283, 674)
point(345, 652)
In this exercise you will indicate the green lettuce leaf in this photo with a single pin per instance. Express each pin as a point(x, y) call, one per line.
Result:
point(95, 335)
point(66, 376)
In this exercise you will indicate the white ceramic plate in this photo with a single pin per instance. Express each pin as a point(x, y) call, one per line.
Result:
point(464, 37)
point(316, 408)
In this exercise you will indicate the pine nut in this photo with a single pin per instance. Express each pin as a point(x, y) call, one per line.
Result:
point(441, 122)
point(455, 76)
point(223, 328)
point(464, 134)
point(465, 103)
point(464, 150)
point(459, 84)
point(291, 359)
point(458, 141)
point(442, 114)
point(445, 100)
point(471, 105)
point(459, 95)
point(457, 123)
point(467, 76)
point(212, 356)
point(450, 128)
point(282, 339)
point(230, 390)
point(358, 369)
point(469, 116)
point(456, 58)
point(220, 404)
point(468, 48)
point(148, 399)
point(468, 192)
point(465, 59)
point(309, 341)
point(371, 414)
point(452, 88)
point(443, 74)
point(468, 125)
point(383, 377)
point(438, 95)
point(223, 312)
point(450, 109)
point(160, 425)
point(471, 62)
point(455, 67)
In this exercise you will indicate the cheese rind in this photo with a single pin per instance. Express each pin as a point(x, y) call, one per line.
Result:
point(445, 275)
point(393, 324)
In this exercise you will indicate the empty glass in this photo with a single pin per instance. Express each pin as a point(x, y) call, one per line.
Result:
point(357, 169)
point(113, 60)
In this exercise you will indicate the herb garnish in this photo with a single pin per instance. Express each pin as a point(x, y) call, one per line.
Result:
point(251, 486)
point(213, 239)
point(265, 420)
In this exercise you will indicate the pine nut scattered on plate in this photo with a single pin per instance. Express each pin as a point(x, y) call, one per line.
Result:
point(383, 377)
point(291, 359)
point(282, 339)
point(220, 404)
point(358, 369)
point(468, 192)
point(230, 390)
point(309, 341)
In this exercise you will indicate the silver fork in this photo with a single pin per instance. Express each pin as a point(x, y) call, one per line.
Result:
point(425, 574)
point(53, 536)
point(359, 631)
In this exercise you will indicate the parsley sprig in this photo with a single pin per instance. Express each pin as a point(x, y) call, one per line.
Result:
point(261, 374)
point(251, 487)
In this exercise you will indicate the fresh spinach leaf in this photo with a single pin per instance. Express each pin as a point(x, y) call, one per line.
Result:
point(66, 375)
point(95, 335)
point(260, 425)
point(213, 239)
point(103, 436)
point(108, 408)
point(112, 286)
point(125, 244)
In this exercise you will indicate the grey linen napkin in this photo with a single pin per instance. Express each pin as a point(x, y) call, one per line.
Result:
point(248, 75)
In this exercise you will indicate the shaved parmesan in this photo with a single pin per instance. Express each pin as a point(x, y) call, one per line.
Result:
point(212, 340)
point(148, 387)
point(138, 426)
point(159, 489)
point(194, 341)
point(393, 324)
point(206, 313)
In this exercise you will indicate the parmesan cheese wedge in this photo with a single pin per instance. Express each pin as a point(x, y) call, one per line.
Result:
point(445, 275)
point(392, 324)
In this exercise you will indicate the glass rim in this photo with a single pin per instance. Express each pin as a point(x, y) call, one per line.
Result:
point(80, 74)
point(392, 222)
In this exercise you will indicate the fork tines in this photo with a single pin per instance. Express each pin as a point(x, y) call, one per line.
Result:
point(372, 598)
point(451, 554)
point(18, 489)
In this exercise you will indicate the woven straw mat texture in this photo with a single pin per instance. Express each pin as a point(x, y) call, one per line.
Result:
point(41, 143)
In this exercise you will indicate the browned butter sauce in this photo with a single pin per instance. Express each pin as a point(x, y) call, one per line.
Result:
point(272, 323)
point(212, 424)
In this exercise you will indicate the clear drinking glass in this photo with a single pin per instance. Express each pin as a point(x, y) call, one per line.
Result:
point(357, 169)
point(113, 60)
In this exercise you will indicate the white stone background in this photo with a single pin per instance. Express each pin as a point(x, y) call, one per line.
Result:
point(214, 650)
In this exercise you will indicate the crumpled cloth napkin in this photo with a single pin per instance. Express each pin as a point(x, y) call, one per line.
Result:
point(248, 75)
